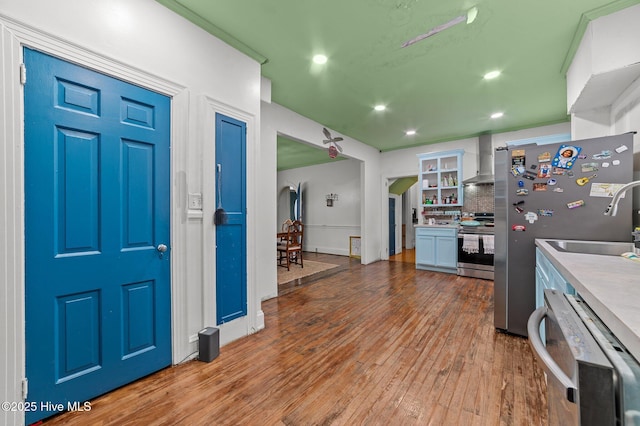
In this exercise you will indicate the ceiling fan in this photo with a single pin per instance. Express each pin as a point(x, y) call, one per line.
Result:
point(469, 17)
point(333, 147)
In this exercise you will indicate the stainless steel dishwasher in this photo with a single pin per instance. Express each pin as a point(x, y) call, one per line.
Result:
point(591, 377)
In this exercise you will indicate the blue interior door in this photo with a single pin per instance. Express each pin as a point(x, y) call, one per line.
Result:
point(392, 226)
point(231, 257)
point(98, 303)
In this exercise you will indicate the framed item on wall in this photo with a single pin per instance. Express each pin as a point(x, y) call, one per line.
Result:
point(354, 246)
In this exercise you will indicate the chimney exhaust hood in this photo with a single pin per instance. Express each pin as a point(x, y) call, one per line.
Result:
point(485, 163)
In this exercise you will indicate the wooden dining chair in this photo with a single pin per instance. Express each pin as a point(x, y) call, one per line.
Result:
point(290, 250)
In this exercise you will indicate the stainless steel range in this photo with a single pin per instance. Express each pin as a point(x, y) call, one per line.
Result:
point(476, 247)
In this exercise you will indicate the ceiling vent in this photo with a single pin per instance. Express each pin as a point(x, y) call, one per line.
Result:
point(485, 163)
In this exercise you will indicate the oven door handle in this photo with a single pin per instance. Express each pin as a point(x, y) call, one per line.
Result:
point(545, 359)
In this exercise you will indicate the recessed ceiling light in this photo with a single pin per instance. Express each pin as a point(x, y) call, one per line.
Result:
point(497, 114)
point(380, 107)
point(472, 14)
point(410, 132)
point(320, 59)
point(491, 75)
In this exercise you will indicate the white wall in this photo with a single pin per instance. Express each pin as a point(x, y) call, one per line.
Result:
point(606, 60)
point(202, 75)
point(279, 120)
point(327, 229)
point(612, 45)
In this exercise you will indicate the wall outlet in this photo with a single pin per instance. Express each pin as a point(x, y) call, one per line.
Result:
point(195, 201)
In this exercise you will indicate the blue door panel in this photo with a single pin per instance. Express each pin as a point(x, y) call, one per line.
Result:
point(137, 194)
point(98, 301)
point(231, 281)
point(77, 97)
point(138, 318)
point(78, 330)
point(77, 160)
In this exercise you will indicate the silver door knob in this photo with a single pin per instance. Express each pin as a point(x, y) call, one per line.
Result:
point(161, 248)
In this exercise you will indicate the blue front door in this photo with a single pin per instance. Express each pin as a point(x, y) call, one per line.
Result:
point(392, 226)
point(231, 252)
point(98, 302)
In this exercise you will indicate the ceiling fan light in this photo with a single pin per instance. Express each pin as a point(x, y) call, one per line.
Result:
point(410, 132)
point(320, 59)
point(497, 114)
point(380, 107)
point(471, 14)
point(491, 75)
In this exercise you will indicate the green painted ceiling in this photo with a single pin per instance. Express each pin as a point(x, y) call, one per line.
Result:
point(401, 185)
point(435, 86)
point(292, 154)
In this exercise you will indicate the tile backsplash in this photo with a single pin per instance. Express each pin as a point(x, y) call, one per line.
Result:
point(479, 198)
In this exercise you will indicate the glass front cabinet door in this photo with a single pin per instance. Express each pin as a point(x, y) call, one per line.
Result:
point(441, 178)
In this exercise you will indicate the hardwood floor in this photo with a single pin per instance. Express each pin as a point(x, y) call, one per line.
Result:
point(382, 344)
point(407, 255)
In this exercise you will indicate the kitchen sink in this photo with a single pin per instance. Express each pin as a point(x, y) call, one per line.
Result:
point(592, 247)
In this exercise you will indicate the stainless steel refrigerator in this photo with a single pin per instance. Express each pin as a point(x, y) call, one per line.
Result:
point(559, 191)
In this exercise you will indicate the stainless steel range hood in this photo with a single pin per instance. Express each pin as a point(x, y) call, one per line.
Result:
point(485, 163)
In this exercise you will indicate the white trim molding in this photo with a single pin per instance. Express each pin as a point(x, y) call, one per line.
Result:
point(254, 321)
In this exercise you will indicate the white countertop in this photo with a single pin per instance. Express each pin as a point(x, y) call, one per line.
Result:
point(609, 284)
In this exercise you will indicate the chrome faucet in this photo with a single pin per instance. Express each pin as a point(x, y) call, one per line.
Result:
point(612, 209)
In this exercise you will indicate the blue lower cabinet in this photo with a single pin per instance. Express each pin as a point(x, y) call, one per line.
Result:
point(437, 249)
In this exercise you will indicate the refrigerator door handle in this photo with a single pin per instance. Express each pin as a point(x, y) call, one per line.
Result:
point(544, 358)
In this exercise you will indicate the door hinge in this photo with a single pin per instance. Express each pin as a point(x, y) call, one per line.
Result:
point(23, 74)
point(25, 388)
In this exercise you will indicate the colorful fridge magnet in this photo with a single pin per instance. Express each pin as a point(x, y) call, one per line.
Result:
point(558, 171)
point(519, 228)
point(585, 180)
point(603, 155)
point(566, 156)
point(605, 189)
point(545, 212)
point(539, 186)
point(616, 162)
point(558, 190)
point(545, 157)
point(517, 170)
point(589, 167)
point(522, 191)
point(520, 184)
point(518, 209)
point(575, 204)
point(528, 174)
point(552, 182)
point(604, 164)
point(621, 148)
point(531, 217)
point(518, 157)
point(544, 171)
point(582, 157)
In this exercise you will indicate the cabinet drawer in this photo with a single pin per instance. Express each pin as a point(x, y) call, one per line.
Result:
point(543, 264)
point(436, 232)
point(552, 277)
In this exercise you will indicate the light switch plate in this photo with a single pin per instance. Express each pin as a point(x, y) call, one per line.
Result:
point(195, 201)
